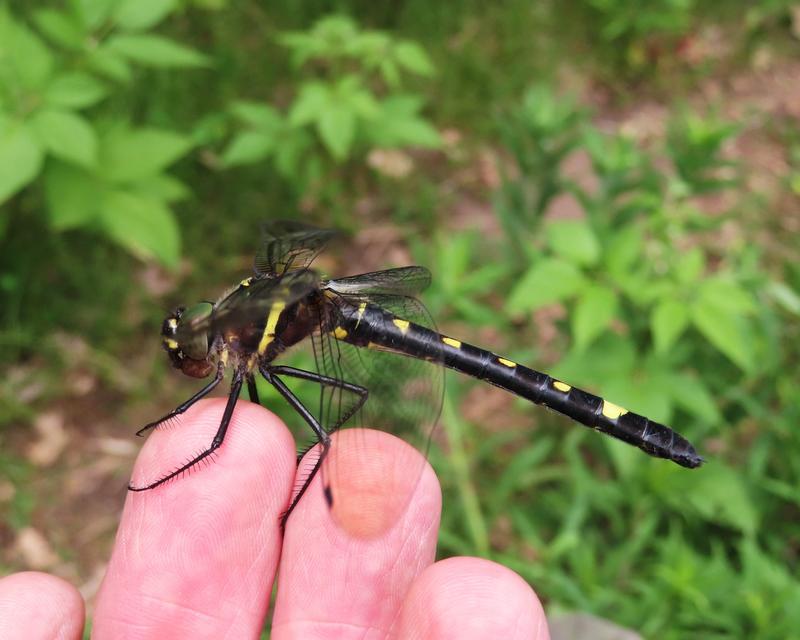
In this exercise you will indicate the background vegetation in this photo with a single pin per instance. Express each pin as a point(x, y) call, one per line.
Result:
point(604, 189)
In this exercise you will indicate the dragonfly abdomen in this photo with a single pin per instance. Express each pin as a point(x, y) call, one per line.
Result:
point(585, 408)
point(372, 327)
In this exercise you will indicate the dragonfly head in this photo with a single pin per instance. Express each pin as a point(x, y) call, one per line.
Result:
point(185, 339)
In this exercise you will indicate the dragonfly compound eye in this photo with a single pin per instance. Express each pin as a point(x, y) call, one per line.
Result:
point(192, 342)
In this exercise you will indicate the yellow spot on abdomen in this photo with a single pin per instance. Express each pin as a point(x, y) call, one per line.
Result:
point(339, 333)
point(561, 386)
point(610, 410)
point(171, 344)
point(401, 324)
point(272, 322)
point(507, 363)
point(246, 282)
point(456, 344)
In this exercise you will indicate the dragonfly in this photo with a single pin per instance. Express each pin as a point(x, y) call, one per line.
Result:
point(378, 357)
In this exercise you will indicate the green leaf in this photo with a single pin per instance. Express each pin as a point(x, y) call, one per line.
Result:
point(74, 90)
point(66, 135)
point(691, 394)
point(573, 240)
point(94, 12)
point(72, 196)
point(290, 156)
point(350, 92)
point(156, 51)
point(110, 64)
point(27, 56)
point(20, 158)
point(256, 114)
point(337, 127)
point(642, 392)
point(720, 495)
point(785, 296)
point(724, 293)
point(594, 311)
point(144, 226)
point(610, 357)
point(248, 147)
point(142, 14)
point(413, 57)
point(162, 187)
point(623, 250)
point(668, 321)
point(549, 280)
point(310, 104)
point(399, 125)
point(690, 267)
point(128, 155)
point(60, 27)
point(726, 330)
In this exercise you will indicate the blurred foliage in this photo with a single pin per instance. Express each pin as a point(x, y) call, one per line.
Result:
point(138, 133)
point(632, 38)
point(97, 172)
point(351, 102)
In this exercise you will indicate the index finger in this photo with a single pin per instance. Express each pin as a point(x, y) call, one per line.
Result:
point(196, 557)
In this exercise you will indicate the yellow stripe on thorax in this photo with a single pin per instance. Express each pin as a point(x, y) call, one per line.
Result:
point(361, 309)
point(272, 322)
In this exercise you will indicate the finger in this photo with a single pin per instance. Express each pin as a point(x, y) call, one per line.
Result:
point(38, 606)
point(196, 558)
point(333, 584)
point(471, 598)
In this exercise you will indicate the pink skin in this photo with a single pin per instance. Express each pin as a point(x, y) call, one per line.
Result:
point(198, 557)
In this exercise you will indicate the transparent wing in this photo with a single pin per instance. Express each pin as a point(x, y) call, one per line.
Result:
point(403, 281)
point(287, 245)
point(405, 399)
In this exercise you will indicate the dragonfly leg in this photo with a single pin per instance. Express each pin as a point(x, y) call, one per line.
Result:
point(181, 408)
point(322, 436)
point(252, 390)
point(302, 374)
point(219, 437)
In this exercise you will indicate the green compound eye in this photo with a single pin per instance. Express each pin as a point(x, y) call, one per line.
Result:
point(194, 344)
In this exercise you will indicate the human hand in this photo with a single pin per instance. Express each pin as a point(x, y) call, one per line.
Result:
point(197, 558)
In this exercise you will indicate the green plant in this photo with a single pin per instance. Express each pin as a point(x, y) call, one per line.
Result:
point(349, 100)
point(98, 171)
point(633, 277)
point(663, 318)
point(635, 35)
point(539, 134)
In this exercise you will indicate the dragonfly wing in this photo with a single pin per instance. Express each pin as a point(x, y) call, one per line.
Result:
point(402, 281)
point(405, 399)
point(287, 245)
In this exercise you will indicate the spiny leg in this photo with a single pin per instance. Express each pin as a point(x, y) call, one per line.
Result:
point(322, 436)
point(302, 374)
point(252, 390)
point(219, 437)
point(188, 403)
